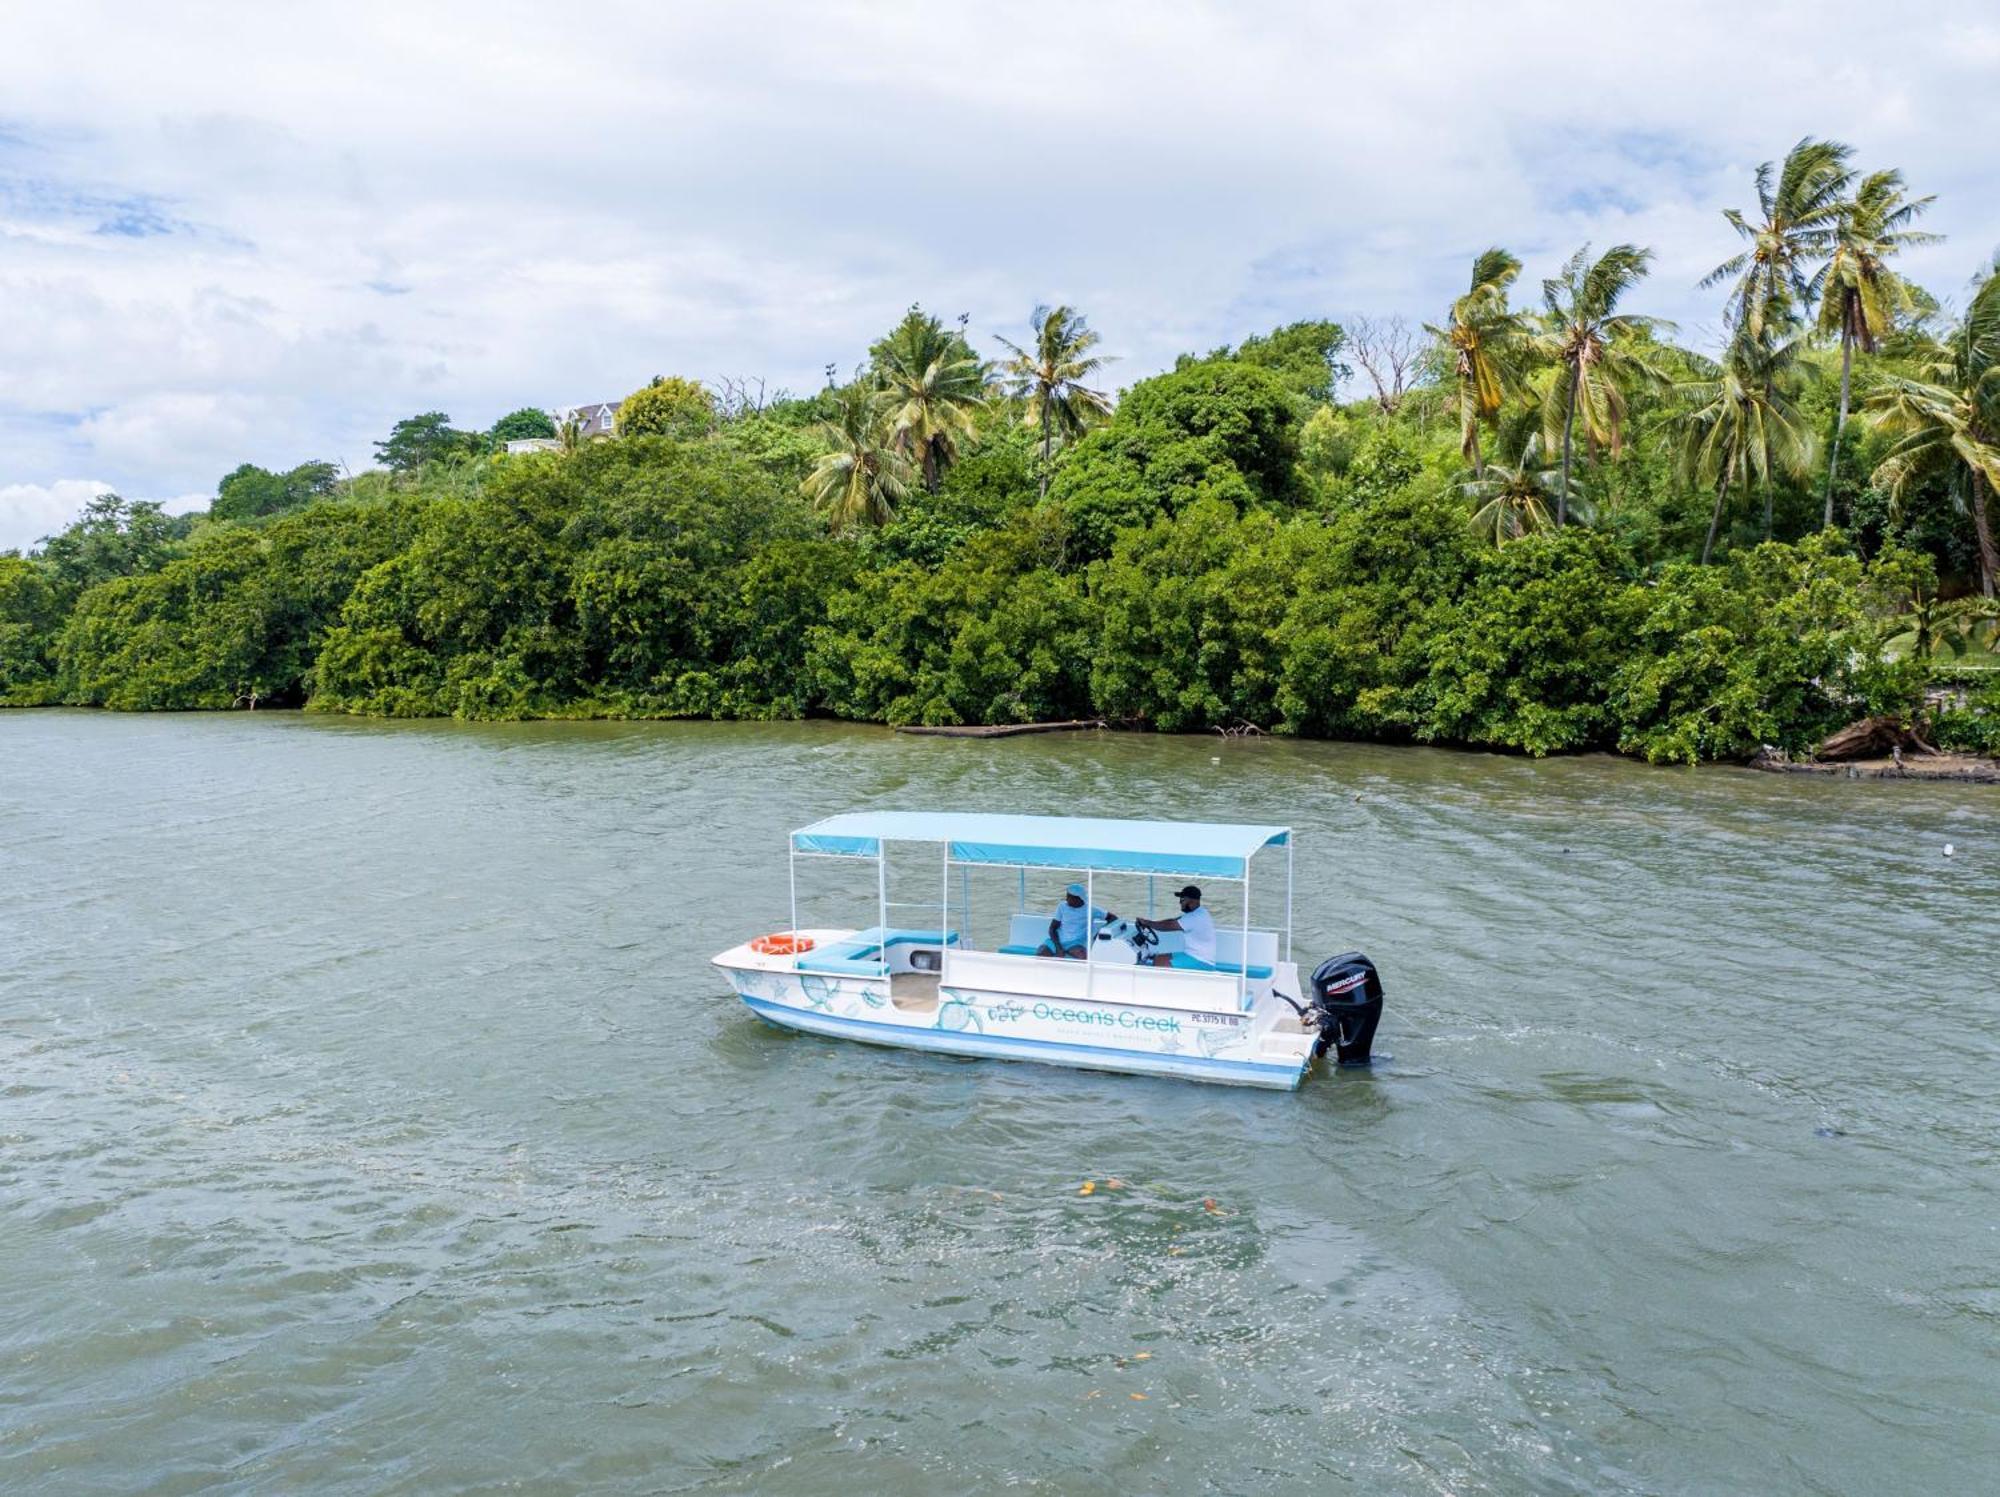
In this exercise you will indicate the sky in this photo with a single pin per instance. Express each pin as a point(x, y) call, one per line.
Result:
point(264, 233)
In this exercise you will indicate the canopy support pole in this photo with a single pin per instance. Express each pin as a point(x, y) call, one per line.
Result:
point(1243, 952)
point(944, 924)
point(1288, 898)
point(792, 878)
point(1089, 935)
point(882, 887)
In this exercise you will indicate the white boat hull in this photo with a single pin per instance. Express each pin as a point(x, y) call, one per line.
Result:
point(1264, 1047)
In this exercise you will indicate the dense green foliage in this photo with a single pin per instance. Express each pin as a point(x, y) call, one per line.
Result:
point(523, 425)
point(1508, 554)
point(667, 407)
point(252, 493)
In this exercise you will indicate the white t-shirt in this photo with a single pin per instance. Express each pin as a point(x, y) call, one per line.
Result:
point(1199, 928)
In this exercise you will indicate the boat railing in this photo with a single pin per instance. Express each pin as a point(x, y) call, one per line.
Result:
point(1054, 978)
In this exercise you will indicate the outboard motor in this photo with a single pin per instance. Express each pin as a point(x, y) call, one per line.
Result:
point(1347, 1003)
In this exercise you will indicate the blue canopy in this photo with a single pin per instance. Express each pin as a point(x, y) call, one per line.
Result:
point(1217, 849)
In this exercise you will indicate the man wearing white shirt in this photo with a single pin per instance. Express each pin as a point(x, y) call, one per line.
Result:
point(1190, 934)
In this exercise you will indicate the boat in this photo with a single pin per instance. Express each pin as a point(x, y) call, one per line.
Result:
point(1238, 1018)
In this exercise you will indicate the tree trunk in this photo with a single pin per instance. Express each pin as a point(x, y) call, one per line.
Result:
point(1569, 420)
point(1048, 434)
point(1982, 529)
point(1715, 520)
point(1767, 506)
point(1478, 457)
point(1839, 426)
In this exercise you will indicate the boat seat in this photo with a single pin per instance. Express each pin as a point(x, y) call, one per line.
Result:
point(1016, 949)
point(866, 952)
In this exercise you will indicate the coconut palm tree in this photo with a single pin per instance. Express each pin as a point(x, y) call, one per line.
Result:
point(1741, 424)
point(932, 386)
point(1947, 420)
point(1860, 295)
point(1510, 500)
point(1050, 379)
point(1597, 351)
point(862, 477)
point(1801, 202)
point(1488, 343)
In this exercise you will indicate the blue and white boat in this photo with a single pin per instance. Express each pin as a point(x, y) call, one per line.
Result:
point(1239, 1018)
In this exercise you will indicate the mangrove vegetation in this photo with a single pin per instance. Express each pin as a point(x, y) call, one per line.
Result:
point(1535, 522)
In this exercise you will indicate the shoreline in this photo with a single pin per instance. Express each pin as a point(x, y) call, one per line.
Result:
point(1944, 768)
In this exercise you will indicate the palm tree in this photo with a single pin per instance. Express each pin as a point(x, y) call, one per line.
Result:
point(1741, 423)
point(1860, 294)
point(1051, 379)
point(1948, 419)
point(1487, 340)
point(862, 478)
point(1597, 350)
point(931, 388)
point(1802, 202)
point(1512, 500)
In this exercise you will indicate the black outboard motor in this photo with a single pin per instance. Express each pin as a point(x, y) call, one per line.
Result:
point(1347, 1002)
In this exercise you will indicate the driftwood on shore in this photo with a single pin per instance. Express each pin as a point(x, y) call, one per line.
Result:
point(1935, 767)
point(1872, 738)
point(1003, 730)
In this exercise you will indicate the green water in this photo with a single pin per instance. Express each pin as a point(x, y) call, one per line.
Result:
point(370, 1121)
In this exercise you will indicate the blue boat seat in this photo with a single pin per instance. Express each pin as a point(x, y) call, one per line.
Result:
point(866, 952)
point(1014, 949)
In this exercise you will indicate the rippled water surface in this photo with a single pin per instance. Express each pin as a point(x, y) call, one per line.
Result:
point(371, 1121)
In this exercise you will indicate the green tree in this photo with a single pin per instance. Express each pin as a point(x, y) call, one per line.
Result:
point(1759, 650)
point(1305, 355)
point(669, 406)
point(249, 492)
point(1740, 424)
point(1597, 350)
point(1489, 343)
point(113, 537)
point(1860, 296)
point(429, 438)
point(31, 615)
point(1049, 380)
point(523, 425)
point(1947, 419)
point(1801, 203)
point(1511, 500)
point(862, 476)
point(932, 386)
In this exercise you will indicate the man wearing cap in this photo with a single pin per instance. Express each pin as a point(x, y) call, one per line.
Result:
point(1189, 935)
point(1069, 933)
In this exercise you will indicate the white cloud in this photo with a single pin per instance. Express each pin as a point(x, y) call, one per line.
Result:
point(30, 511)
point(317, 220)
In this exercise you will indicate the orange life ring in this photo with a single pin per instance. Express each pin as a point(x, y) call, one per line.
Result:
point(782, 943)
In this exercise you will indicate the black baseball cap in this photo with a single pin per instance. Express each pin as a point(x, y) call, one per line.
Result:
point(1190, 892)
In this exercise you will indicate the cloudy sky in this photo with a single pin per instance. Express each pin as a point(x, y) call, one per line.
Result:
point(265, 232)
